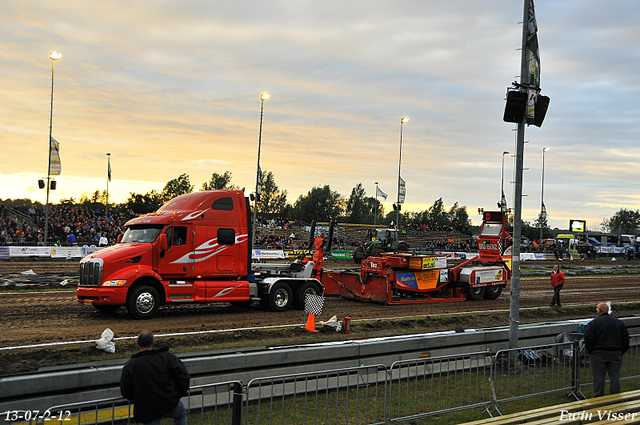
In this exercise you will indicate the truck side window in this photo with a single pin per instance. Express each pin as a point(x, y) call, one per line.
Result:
point(180, 236)
point(223, 204)
point(226, 236)
point(169, 237)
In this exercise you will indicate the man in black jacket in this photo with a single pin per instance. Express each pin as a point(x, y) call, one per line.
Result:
point(606, 340)
point(155, 380)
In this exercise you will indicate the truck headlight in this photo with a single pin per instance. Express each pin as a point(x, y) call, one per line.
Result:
point(118, 282)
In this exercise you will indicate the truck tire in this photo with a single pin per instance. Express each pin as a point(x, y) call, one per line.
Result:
point(475, 293)
point(107, 309)
point(143, 302)
point(493, 292)
point(310, 288)
point(280, 297)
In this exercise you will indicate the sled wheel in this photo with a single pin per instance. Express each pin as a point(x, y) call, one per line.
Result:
point(492, 292)
point(475, 293)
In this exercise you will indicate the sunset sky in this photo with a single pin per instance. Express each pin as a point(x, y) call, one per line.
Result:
point(173, 87)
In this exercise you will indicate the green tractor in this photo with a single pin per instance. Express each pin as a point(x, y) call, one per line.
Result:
point(385, 240)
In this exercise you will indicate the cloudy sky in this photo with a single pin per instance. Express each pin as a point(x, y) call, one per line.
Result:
point(173, 87)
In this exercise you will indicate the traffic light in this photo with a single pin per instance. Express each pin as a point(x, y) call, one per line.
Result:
point(41, 184)
point(542, 104)
point(53, 185)
point(516, 106)
point(480, 210)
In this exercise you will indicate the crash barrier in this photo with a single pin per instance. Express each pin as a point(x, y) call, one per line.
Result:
point(373, 394)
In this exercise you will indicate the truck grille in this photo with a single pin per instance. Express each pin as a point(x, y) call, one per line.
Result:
point(90, 273)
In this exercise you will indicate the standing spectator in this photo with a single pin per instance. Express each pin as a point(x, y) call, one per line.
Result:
point(103, 241)
point(606, 340)
point(557, 281)
point(155, 380)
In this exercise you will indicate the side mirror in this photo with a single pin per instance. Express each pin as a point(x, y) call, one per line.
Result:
point(119, 238)
point(162, 242)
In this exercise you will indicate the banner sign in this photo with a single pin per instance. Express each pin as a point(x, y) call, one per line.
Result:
point(423, 280)
point(4, 252)
point(29, 251)
point(264, 254)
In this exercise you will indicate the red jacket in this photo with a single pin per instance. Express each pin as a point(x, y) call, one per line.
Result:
point(557, 279)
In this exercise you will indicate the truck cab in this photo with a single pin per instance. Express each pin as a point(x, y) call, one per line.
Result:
point(187, 251)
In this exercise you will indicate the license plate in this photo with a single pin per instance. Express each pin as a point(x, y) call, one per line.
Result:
point(87, 302)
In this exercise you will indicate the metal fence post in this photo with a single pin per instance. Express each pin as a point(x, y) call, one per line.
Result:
point(238, 393)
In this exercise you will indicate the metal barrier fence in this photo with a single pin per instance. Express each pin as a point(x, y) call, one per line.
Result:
point(343, 396)
point(408, 390)
point(630, 365)
point(521, 373)
point(430, 386)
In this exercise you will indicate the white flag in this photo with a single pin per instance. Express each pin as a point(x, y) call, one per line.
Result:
point(381, 193)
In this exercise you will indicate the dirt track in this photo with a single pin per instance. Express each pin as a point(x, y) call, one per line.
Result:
point(47, 317)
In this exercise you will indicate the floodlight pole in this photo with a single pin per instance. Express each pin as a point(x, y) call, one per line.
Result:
point(514, 316)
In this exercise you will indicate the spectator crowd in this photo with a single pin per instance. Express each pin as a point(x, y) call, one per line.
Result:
point(68, 225)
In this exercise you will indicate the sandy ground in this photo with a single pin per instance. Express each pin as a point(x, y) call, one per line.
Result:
point(46, 317)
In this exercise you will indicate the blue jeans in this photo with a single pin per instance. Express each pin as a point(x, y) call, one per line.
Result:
point(179, 415)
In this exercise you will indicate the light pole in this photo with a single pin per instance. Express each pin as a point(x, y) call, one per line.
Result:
point(503, 201)
point(106, 204)
point(54, 56)
point(543, 212)
point(375, 214)
point(402, 121)
point(263, 97)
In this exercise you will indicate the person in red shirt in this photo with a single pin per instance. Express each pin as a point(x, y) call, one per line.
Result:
point(557, 281)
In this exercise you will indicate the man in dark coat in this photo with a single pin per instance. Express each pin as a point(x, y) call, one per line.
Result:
point(155, 380)
point(606, 340)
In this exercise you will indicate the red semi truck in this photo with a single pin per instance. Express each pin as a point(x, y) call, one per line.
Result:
point(195, 249)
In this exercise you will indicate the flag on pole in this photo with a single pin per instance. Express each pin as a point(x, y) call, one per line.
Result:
point(504, 201)
point(381, 193)
point(109, 169)
point(533, 64)
point(402, 191)
point(55, 166)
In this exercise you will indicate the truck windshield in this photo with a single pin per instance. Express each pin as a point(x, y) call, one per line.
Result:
point(491, 229)
point(137, 234)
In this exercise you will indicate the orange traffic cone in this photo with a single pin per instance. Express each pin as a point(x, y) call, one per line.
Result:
point(311, 323)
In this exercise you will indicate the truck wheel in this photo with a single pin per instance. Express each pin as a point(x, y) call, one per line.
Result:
point(375, 252)
point(476, 293)
point(280, 297)
point(493, 292)
point(306, 288)
point(143, 302)
point(107, 309)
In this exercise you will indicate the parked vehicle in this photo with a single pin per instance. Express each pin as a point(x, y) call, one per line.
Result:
point(195, 249)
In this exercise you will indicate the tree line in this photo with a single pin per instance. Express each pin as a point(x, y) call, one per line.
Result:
point(321, 203)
